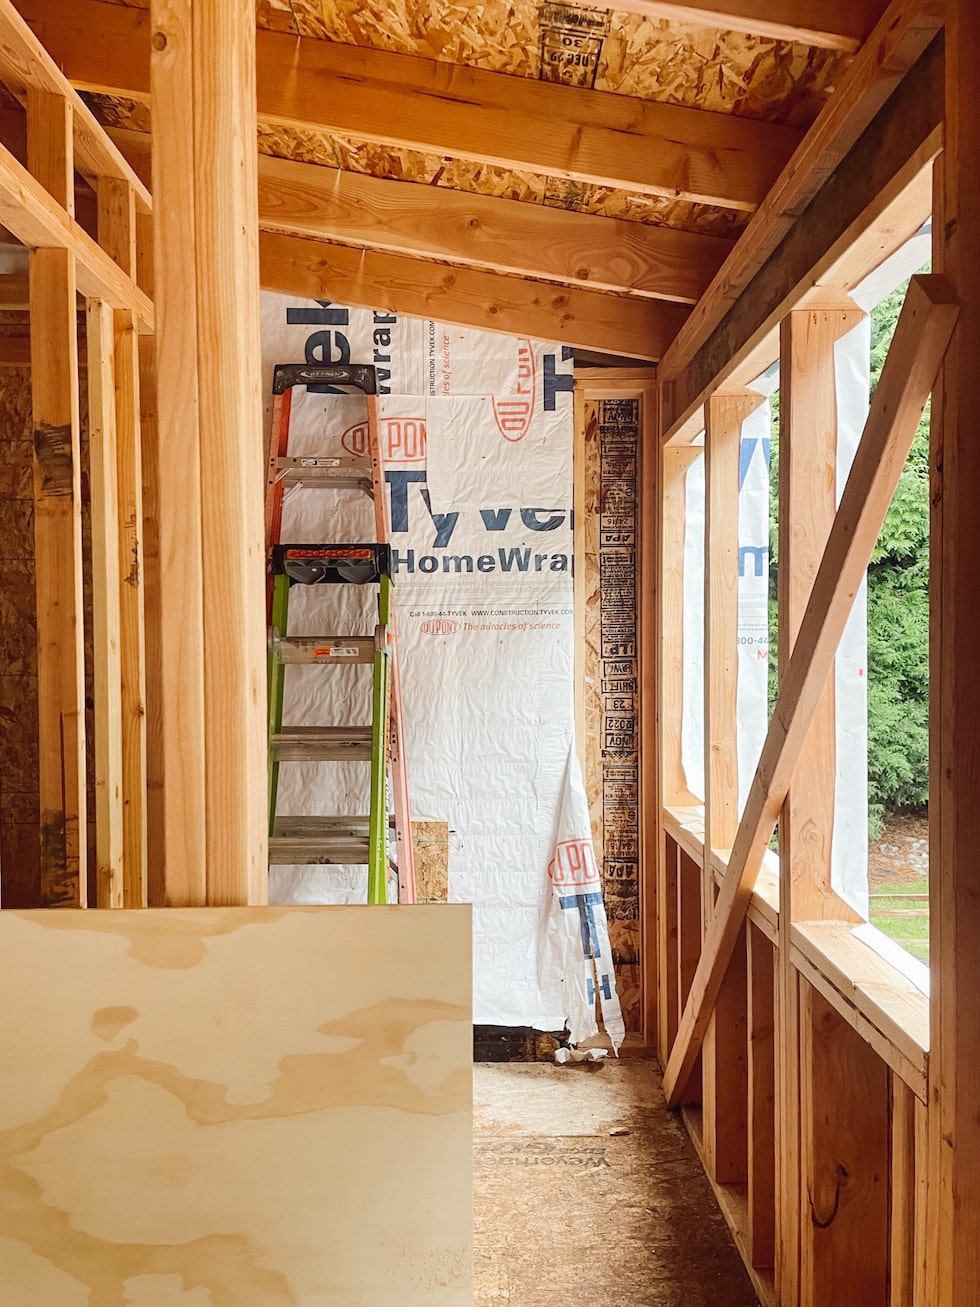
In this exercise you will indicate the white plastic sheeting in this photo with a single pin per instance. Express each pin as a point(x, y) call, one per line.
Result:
point(477, 433)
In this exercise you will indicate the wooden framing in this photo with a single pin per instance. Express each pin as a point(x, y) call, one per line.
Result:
point(209, 411)
point(422, 104)
point(927, 322)
point(313, 269)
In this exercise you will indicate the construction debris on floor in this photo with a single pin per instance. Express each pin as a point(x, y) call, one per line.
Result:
point(588, 1193)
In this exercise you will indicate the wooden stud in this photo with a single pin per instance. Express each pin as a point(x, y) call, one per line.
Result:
point(57, 528)
point(724, 1062)
point(117, 222)
point(844, 1111)
point(807, 506)
point(913, 361)
point(104, 490)
point(177, 475)
point(49, 145)
point(903, 1190)
point(676, 462)
point(131, 591)
point(229, 361)
point(668, 947)
point(724, 1052)
point(650, 831)
point(954, 813)
point(761, 1094)
point(689, 925)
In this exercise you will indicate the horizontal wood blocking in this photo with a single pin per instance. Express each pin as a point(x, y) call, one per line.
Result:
point(296, 265)
point(833, 25)
point(442, 108)
point(910, 369)
point(874, 136)
point(30, 213)
point(26, 64)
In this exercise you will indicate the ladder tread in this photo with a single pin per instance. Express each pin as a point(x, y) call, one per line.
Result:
point(321, 744)
point(343, 649)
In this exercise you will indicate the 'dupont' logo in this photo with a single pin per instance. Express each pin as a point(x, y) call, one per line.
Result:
point(514, 412)
point(402, 439)
point(442, 626)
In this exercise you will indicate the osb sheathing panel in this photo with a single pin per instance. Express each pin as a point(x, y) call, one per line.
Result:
point(652, 58)
point(675, 63)
point(244, 1107)
point(19, 815)
point(430, 840)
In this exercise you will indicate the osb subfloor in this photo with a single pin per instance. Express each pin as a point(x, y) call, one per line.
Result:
point(589, 1194)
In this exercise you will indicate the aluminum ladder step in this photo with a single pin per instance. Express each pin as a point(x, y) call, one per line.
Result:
point(320, 473)
point(321, 744)
point(345, 649)
point(320, 840)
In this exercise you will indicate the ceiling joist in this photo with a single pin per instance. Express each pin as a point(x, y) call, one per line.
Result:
point(615, 324)
point(440, 108)
point(479, 231)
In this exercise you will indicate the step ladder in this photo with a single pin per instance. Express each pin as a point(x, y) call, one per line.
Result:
point(344, 839)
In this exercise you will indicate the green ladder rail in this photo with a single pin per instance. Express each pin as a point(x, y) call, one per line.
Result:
point(328, 564)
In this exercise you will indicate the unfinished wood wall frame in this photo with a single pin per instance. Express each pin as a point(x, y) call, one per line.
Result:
point(837, 1126)
point(64, 145)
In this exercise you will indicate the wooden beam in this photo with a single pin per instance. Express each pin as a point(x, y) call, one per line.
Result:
point(910, 369)
point(440, 108)
point(295, 265)
point(30, 213)
point(26, 64)
point(209, 353)
point(576, 249)
point(104, 490)
point(871, 138)
point(481, 231)
point(178, 498)
point(837, 25)
point(954, 825)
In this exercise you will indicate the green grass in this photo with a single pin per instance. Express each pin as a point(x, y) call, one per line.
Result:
point(903, 918)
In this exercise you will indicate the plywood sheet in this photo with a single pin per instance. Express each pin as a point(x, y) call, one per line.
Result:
point(236, 1108)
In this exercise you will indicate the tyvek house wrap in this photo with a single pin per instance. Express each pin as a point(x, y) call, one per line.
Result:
point(477, 436)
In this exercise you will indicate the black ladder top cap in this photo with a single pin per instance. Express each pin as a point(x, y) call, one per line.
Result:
point(332, 564)
point(363, 376)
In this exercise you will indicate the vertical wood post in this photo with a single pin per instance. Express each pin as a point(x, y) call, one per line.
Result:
point(104, 492)
point(725, 1057)
point(118, 237)
point(209, 408)
point(807, 506)
point(674, 465)
point(57, 523)
point(954, 755)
